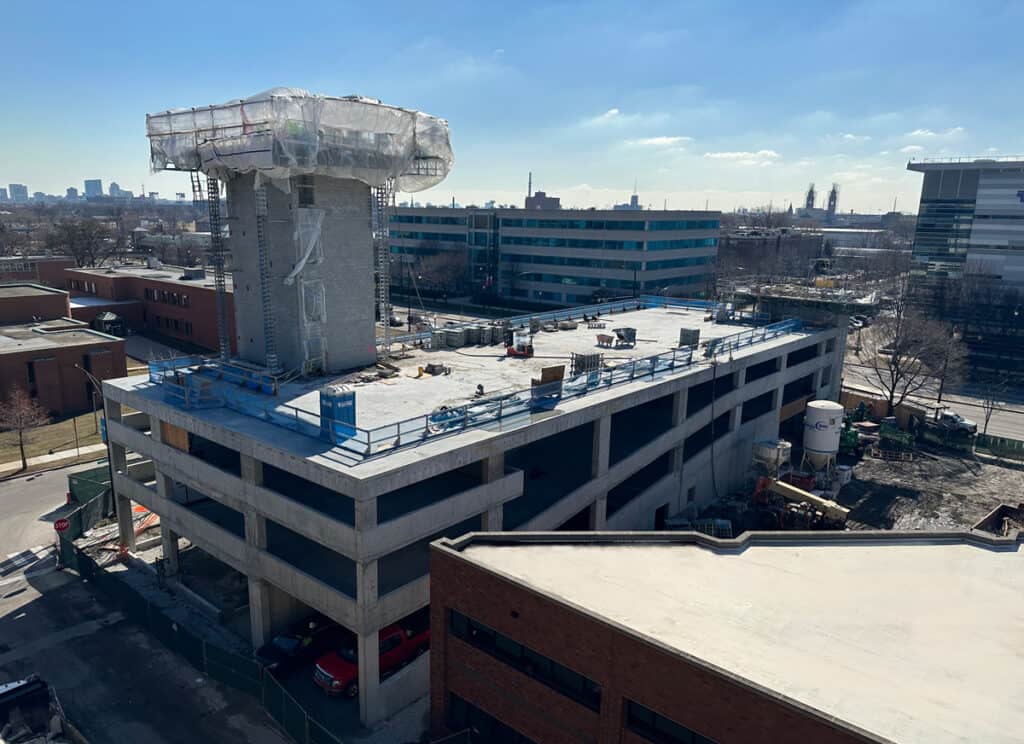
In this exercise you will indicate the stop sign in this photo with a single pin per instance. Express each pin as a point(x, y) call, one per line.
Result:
point(61, 525)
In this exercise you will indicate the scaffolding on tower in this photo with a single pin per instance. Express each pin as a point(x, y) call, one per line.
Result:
point(382, 197)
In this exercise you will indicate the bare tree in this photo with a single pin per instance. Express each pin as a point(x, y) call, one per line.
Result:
point(446, 270)
point(906, 351)
point(87, 241)
point(993, 388)
point(20, 413)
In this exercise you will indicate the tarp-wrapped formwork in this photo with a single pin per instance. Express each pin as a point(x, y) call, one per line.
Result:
point(286, 132)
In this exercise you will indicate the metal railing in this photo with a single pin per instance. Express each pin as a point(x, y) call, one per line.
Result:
point(642, 302)
point(198, 388)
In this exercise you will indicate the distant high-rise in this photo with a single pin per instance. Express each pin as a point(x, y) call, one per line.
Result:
point(811, 195)
point(3, 195)
point(632, 206)
point(19, 193)
point(71, 193)
point(93, 187)
point(115, 188)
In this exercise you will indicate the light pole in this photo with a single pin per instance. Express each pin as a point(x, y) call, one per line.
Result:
point(97, 389)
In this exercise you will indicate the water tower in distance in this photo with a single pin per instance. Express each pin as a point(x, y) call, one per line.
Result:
point(309, 183)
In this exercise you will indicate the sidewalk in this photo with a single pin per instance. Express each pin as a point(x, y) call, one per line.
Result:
point(8, 468)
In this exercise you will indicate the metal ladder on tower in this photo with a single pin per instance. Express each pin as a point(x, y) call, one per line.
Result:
point(266, 304)
point(217, 257)
point(380, 207)
point(197, 188)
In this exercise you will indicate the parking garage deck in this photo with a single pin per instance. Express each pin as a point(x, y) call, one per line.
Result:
point(412, 408)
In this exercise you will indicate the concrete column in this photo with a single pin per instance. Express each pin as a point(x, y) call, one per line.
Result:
point(599, 512)
point(252, 470)
point(169, 540)
point(366, 585)
point(600, 455)
point(493, 468)
point(366, 514)
point(259, 612)
point(602, 446)
point(156, 432)
point(125, 528)
point(118, 458)
point(369, 677)
point(492, 520)
point(255, 529)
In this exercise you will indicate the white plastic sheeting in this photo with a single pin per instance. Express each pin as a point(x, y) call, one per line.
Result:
point(286, 132)
point(308, 226)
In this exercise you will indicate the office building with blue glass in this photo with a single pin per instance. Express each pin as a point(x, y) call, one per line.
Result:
point(563, 257)
point(968, 256)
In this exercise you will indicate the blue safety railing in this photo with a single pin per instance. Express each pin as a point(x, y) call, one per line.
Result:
point(728, 344)
point(193, 383)
point(604, 308)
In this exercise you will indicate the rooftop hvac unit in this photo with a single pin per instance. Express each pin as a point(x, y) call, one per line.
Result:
point(197, 272)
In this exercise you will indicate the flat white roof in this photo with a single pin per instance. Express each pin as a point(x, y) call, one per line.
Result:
point(388, 400)
point(385, 402)
point(910, 638)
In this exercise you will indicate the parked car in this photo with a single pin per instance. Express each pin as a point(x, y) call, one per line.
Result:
point(855, 325)
point(304, 641)
point(337, 672)
point(864, 320)
point(949, 419)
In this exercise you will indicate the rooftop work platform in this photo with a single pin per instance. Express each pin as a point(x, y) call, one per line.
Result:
point(905, 637)
point(476, 387)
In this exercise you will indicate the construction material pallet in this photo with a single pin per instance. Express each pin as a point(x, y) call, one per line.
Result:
point(897, 455)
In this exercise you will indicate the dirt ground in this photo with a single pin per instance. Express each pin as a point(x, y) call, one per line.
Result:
point(936, 491)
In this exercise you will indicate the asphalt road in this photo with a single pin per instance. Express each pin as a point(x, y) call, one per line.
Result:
point(1007, 420)
point(29, 505)
point(115, 681)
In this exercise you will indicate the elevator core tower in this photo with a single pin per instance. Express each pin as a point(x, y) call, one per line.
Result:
point(309, 181)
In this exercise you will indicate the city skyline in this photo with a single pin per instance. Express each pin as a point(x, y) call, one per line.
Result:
point(727, 106)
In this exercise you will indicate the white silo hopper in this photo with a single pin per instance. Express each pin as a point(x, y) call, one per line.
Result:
point(823, 423)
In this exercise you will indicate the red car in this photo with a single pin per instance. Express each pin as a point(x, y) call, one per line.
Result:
point(338, 671)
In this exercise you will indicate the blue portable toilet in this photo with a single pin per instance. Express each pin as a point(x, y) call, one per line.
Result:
point(337, 413)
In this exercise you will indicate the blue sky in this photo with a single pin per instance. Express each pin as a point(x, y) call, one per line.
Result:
point(724, 103)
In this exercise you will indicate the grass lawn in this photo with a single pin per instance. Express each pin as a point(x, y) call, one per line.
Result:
point(57, 436)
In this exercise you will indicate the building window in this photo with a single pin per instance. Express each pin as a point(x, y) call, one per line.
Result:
point(559, 678)
point(184, 300)
point(657, 728)
point(826, 376)
point(483, 727)
point(830, 346)
point(305, 191)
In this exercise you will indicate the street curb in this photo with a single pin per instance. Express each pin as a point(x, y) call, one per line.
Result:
point(64, 464)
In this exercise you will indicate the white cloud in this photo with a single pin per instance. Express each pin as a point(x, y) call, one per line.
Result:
point(919, 133)
point(659, 141)
point(991, 150)
point(743, 157)
point(884, 152)
point(855, 137)
point(911, 148)
point(608, 116)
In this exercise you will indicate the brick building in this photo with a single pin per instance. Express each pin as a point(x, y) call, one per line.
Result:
point(48, 270)
point(24, 303)
point(171, 301)
point(676, 638)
